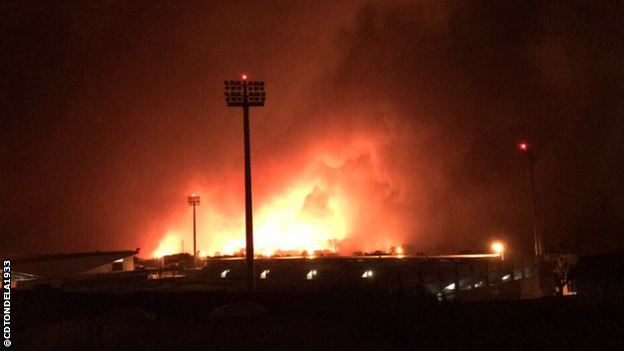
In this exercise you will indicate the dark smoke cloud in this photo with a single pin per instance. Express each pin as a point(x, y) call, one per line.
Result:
point(114, 112)
point(465, 84)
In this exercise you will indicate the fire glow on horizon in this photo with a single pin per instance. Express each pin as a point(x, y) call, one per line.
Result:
point(316, 212)
point(285, 224)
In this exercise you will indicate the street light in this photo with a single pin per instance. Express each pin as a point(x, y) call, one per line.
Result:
point(245, 93)
point(539, 249)
point(499, 248)
point(193, 200)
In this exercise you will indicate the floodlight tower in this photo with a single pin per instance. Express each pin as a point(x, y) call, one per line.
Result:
point(539, 248)
point(193, 200)
point(246, 94)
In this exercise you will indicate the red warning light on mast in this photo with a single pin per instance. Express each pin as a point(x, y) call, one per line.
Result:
point(523, 146)
point(244, 76)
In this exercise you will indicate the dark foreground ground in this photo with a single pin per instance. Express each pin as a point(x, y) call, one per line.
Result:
point(54, 320)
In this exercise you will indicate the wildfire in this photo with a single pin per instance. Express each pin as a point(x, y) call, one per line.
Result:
point(306, 218)
point(334, 202)
point(168, 246)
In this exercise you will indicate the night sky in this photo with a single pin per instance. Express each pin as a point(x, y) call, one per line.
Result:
point(406, 113)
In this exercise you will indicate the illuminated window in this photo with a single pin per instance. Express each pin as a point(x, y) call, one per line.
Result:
point(507, 278)
point(311, 274)
point(225, 273)
point(450, 287)
point(264, 273)
point(367, 274)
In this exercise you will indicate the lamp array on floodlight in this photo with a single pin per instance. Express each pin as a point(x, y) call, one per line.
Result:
point(241, 93)
point(193, 200)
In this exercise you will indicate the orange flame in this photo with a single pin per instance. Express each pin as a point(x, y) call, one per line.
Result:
point(302, 219)
point(322, 209)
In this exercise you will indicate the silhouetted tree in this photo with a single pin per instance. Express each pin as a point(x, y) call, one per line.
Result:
point(563, 267)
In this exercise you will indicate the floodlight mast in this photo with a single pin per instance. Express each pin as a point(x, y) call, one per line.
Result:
point(537, 238)
point(194, 201)
point(246, 94)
